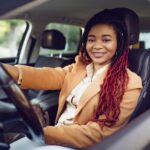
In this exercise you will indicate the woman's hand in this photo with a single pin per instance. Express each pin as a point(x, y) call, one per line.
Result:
point(43, 116)
point(12, 70)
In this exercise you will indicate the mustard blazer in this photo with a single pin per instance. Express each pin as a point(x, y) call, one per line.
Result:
point(83, 133)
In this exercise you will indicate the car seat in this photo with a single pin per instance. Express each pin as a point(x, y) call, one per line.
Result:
point(139, 62)
point(139, 59)
point(51, 39)
point(54, 40)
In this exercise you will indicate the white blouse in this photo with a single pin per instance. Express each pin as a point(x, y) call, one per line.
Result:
point(75, 95)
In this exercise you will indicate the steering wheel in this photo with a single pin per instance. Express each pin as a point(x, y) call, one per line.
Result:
point(23, 106)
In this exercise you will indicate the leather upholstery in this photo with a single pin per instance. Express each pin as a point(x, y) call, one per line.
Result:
point(53, 39)
point(132, 23)
point(139, 62)
point(45, 61)
point(139, 59)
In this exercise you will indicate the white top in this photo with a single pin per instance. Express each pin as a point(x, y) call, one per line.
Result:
point(75, 95)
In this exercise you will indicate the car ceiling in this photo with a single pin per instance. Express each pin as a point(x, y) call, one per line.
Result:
point(73, 11)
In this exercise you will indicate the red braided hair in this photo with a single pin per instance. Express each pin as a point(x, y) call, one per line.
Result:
point(112, 91)
point(116, 80)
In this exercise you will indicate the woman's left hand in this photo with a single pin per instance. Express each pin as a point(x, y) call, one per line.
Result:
point(43, 116)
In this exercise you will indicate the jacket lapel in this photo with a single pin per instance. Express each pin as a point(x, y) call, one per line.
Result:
point(92, 90)
point(72, 80)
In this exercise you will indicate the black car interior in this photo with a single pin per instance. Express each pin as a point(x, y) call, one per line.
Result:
point(141, 58)
point(139, 61)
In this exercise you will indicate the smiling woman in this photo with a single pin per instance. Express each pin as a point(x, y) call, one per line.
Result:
point(98, 91)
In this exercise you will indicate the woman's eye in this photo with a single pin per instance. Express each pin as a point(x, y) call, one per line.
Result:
point(90, 40)
point(106, 40)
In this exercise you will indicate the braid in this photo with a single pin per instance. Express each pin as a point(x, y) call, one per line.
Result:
point(112, 91)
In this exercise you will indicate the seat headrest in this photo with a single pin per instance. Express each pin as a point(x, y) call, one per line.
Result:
point(53, 39)
point(131, 20)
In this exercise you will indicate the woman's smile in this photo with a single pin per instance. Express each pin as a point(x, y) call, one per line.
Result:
point(98, 54)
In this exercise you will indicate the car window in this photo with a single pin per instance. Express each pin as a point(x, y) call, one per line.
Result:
point(10, 37)
point(144, 36)
point(72, 35)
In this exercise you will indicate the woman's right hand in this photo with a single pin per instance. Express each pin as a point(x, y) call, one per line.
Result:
point(12, 70)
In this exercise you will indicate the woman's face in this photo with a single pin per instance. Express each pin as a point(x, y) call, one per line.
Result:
point(101, 44)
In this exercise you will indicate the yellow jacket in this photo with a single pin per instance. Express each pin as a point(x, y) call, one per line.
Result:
point(83, 133)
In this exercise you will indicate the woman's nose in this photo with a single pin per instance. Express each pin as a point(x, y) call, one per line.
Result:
point(97, 45)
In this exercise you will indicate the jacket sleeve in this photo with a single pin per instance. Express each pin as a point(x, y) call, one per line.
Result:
point(84, 136)
point(42, 78)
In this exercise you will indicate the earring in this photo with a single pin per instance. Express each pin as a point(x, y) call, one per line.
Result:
point(116, 53)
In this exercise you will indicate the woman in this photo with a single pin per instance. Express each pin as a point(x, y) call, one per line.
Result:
point(98, 92)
